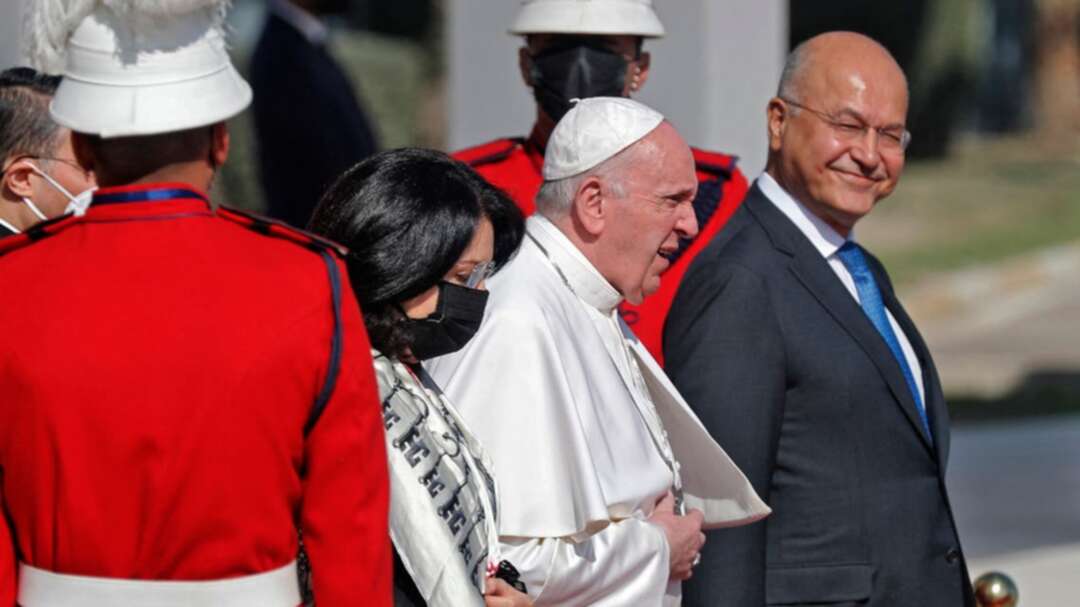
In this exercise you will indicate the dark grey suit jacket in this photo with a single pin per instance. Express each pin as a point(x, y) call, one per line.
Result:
point(309, 124)
point(791, 378)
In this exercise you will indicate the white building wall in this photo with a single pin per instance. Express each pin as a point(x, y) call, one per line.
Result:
point(11, 33)
point(486, 98)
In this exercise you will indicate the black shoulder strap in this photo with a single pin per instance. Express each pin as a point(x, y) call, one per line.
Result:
point(326, 249)
point(333, 367)
point(497, 155)
point(279, 229)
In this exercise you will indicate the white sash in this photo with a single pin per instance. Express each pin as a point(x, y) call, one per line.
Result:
point(40, 588)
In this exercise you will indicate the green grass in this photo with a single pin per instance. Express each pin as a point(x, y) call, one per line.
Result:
point(390, 76)
point(1024, 402)
point(989, 201)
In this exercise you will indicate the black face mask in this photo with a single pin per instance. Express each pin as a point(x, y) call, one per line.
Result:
point(455, 320)
point(575, 70)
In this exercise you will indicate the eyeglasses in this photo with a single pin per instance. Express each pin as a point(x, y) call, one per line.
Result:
point(71, 163)
point(892, 139)
point(480, 272)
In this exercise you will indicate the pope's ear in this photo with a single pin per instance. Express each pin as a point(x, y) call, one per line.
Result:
point(589, 205)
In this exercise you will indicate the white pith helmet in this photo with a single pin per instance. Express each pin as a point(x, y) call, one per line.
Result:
point(137, 67)
point(588, 17)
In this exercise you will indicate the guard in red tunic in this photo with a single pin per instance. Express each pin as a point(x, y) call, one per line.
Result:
point(186, 389)
point(591, 49)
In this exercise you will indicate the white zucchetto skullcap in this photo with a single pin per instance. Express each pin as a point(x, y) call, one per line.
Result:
point(594, 130)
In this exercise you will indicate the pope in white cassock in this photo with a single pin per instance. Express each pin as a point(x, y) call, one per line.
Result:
point(606, 477)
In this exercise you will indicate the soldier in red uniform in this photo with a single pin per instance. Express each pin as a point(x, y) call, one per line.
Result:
point(184, 387)
point(590, 49)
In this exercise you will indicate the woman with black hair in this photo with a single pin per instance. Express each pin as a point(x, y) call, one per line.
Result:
point(424, 232)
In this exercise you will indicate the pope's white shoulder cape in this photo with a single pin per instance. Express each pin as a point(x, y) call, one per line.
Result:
point(538, 388)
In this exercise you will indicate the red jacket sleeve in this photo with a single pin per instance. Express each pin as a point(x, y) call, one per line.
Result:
point(346, 488)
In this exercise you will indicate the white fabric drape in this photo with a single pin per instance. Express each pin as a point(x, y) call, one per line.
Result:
point(436, 461)
point(552, 387)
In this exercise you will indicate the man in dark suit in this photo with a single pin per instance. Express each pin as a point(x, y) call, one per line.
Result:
point(39, 178)
point(788, 341)
point(309, 124)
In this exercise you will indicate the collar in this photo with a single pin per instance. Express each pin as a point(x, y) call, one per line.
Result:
point(582, 278)
point(820, 234)
point(7, 229)
point(144, 201)
point(309, 26)
point(148, 192)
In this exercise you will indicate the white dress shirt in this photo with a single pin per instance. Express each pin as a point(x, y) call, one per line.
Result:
point(827, 241)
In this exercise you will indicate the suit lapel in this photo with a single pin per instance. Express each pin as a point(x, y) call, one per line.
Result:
point(936, 411)
point(814, 273)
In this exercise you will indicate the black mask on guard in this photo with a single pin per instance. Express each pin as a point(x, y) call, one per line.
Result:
point(577, 69)
point(455, 320)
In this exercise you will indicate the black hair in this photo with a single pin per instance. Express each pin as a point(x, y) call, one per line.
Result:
point(127, 159)
point(25, 125)
point(406, 216)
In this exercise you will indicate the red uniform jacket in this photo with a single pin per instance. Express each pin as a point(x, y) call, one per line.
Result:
point(514, 165)
point(159, 363)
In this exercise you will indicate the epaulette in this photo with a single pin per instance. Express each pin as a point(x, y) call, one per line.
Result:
point(280, 229)
point(714, 162)
point(37, 232)
point(487, 153)
point(326, 248)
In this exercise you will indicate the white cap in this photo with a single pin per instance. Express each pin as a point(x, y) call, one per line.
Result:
point(588, 17)
point(594, 130)
point(142, 67)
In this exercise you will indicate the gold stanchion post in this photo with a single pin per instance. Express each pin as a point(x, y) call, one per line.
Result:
point(995, 589)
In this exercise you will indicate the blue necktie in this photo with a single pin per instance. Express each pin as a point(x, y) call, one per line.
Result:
point(870, 300)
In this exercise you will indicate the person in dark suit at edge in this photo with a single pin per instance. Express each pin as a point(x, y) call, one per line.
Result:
point(789, 342)
point(39, 177)
point(309, 124)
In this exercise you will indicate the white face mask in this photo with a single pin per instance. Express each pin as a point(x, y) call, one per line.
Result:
point(80, 202)
point(76, 204)
point(34, 209)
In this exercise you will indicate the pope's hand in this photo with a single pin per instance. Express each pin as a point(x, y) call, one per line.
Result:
point(498, 593)
point(684, 536)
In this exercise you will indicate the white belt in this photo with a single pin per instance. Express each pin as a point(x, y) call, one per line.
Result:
point(40, 588)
